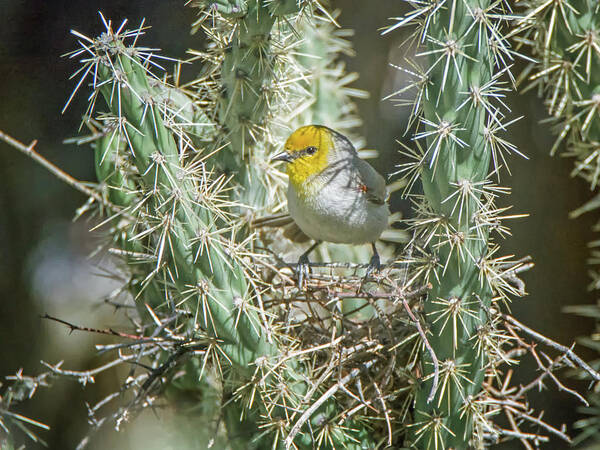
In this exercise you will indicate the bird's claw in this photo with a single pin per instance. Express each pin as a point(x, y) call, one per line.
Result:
point(374, 265)
point(303, 270)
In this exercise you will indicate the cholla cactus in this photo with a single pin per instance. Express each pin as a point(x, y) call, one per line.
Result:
point(564, 39)
point(223, 326)
point(251, 83)
point(459, 116)
point(165, 162)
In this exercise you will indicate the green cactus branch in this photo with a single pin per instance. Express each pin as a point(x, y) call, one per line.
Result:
point(176, 202)
point(565, 40)
point(563, 36)
point(458, 118)
point(251, 55)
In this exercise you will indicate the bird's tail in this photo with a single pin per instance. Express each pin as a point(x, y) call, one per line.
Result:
point(285, 221)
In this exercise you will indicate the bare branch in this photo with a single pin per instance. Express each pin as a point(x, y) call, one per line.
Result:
point(29, 150)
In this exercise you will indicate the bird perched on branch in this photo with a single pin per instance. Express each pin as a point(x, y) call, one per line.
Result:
point(333, 195)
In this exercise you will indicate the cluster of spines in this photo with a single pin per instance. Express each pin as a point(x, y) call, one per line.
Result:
point(458, 117)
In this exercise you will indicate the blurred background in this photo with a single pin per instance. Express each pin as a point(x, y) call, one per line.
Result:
point(44, 263)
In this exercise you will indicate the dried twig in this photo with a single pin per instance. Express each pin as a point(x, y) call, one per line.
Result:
point(108, 331)
point(436, 364)
point(87, 376)
point(553, 344)
point(29, 150)
point(327, 395)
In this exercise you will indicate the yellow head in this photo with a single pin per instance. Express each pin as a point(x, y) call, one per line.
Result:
point(307, 153)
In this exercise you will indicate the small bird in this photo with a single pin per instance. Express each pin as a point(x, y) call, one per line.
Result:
point(333, 195)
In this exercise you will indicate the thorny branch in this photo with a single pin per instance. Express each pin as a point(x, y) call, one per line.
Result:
point(513, 401)
point(568, 351)
point(108, 331)
point(30, 151)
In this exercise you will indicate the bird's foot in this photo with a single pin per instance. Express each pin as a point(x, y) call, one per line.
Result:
point(303, 270)
point(374, 266)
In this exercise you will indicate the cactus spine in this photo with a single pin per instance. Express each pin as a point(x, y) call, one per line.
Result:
point(458, 116)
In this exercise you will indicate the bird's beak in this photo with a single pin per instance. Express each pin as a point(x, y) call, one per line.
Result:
point(283, 156)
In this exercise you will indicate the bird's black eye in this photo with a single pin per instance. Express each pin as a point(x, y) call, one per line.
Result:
point(310, 150)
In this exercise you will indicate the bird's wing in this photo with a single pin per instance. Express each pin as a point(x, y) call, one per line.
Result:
point(371, 183)
point(285, 221)
point(274, 221)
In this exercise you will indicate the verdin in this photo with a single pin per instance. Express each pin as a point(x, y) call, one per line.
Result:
point(333, 195)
